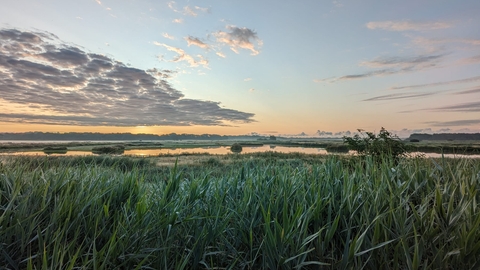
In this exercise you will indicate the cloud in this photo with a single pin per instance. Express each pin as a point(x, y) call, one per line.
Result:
point(322, 133)
point(330, 134)
point(70, 86)
point(343, 133)
point(467, 122)
point(389, 66)
point(463, 107)
point(239, 38)
point(193, 11)
point(438, 44)
point(338, 4)
point(470, 60)
point(407, 25)
point(466, 80)
point(98, 2)
point(470, 91)
point(247, 79)
point(188, 10)
point(183, 56)
point(166, 35)
point(221, 54)
point(398, 96)
point(429, 41)
point(178, 21)
point(412, 62)
point(196, 42)
point(358, 76)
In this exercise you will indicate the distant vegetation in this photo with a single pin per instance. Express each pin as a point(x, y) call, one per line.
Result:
point(89, 136)
point(446, 136)
point(111, 149)
point(55, 149)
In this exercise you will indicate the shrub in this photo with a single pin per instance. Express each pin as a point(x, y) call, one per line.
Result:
point(236, 148)
point(414, 140)
point(383, 144)
point(214, 162)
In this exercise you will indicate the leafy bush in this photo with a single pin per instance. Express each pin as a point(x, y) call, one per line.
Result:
point(214, 162)
point(383, 144)
point(236, 148)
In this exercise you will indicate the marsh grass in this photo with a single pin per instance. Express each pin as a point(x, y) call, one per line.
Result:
point(255, 213)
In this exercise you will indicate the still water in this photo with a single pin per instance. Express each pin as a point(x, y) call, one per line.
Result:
point(221, 150)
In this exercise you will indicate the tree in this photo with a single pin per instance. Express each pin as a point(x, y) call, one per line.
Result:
point(383, 144)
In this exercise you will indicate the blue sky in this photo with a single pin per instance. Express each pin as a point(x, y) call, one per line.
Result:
point(236, 67)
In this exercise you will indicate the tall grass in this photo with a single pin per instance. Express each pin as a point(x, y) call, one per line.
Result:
point(349, 213)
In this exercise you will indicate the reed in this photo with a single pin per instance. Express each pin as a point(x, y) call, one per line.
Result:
point(341, 213)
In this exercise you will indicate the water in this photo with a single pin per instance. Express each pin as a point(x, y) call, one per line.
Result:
point(220, 150)
point(214, 150)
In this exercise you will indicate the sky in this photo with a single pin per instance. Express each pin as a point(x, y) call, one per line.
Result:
point(315, 68)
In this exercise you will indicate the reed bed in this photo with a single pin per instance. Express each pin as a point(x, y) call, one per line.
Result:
point(341, 213)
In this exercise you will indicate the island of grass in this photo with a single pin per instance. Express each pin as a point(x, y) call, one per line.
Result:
point(109, 149)
point(55, 150)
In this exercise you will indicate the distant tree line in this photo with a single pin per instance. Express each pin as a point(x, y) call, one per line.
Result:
point(445, 136)
point(91, 136)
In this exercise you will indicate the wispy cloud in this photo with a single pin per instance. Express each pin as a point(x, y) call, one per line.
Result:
point(166, 35)
point(239, 38)
point(470, 60)
point(409, 62)
point(455, 123)
point(247, 79)
point(470, 91)
point(407, 25)
point(180, 20)
point(188, 10)
point(338, 4)
point(358, 76)
point(75, 87)
point(439, 44)
point(183, 56)
point(389, 66)
point(197, 42)
point(398, 96)
point(193, 11)
point(431, 41)
point(221, 54)
point(466, 80)
point(463, 107)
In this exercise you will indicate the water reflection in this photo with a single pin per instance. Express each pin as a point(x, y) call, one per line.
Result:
point(221, 150)
point(42, 153)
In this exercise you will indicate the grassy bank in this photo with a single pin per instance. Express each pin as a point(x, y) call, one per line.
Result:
point(248, 213)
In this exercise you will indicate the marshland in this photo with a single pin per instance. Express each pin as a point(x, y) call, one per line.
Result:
point(267, 210)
